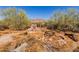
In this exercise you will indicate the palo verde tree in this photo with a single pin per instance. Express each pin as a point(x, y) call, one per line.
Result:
point(14, 18)
point(65, 20)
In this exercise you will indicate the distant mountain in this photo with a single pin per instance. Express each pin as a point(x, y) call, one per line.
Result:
point(37, 20)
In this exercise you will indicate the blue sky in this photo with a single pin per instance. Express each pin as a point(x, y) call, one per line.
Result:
point(41, 12)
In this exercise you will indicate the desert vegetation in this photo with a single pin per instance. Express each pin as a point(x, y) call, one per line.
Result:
point(58, 34)
point(14, 18)
point(67, 20)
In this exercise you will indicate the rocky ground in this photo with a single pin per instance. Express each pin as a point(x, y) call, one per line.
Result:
point(42, 40)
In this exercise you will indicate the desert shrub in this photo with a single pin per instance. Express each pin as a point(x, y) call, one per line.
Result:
point(66, 21)
point(3, 27)
point(52, 27)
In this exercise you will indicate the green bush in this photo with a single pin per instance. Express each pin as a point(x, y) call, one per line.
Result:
point(66, 21)
point(15, 18)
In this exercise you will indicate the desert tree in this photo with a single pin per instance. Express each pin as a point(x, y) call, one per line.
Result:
point(14, 18)
point(65, 20)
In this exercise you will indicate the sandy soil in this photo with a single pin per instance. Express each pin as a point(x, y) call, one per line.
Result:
point(42, 40)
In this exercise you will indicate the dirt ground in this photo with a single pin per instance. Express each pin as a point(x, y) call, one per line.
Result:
point(42, 40)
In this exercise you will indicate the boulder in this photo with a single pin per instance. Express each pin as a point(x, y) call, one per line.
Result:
point(21, 48)
point(5, 42)
point(62, 43)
